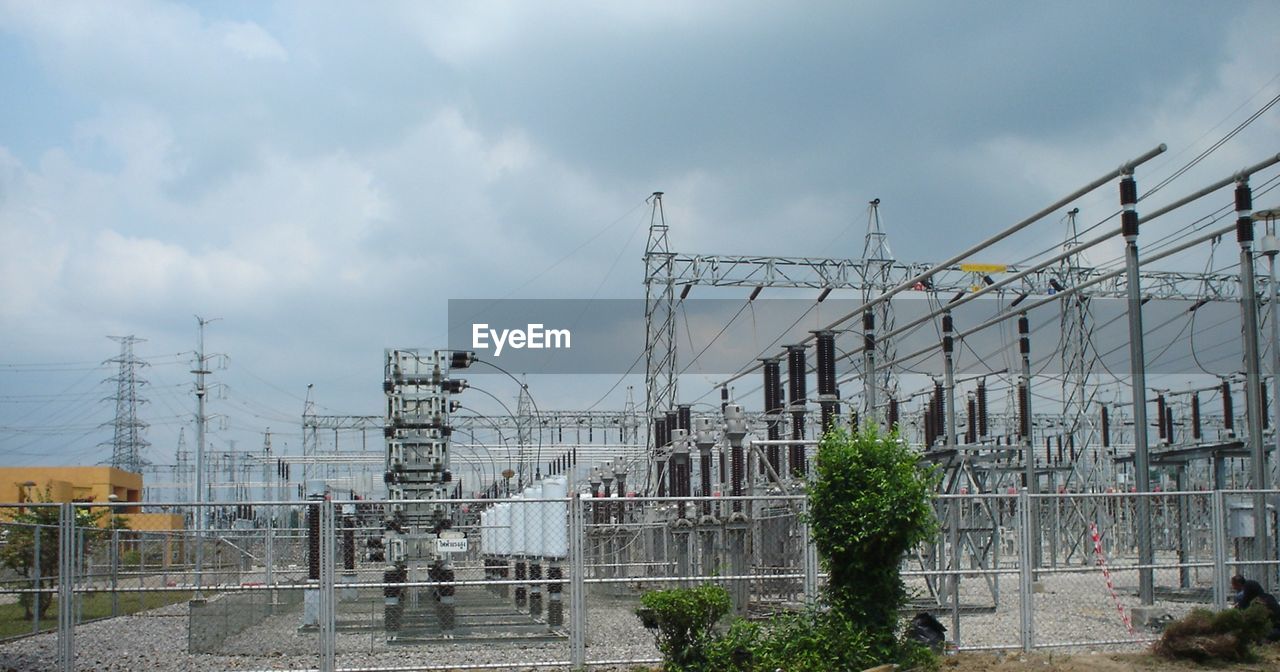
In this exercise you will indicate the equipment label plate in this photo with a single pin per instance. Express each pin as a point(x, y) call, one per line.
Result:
point(451, 544)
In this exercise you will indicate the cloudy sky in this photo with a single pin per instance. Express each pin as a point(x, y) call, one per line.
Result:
point(324, 177)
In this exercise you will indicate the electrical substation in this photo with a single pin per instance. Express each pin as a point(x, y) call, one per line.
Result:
point(689, 490)
point(1035, 390)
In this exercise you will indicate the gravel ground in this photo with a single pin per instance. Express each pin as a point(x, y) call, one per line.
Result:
point(156, 641)
point(1072, 608)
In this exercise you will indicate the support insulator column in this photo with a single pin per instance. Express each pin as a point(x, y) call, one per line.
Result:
point(828, 396)
point(773, 410)
point(869, 366)
point(949, 373)
point(796, 374)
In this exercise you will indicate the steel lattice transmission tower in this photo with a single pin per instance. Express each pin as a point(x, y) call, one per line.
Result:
point(659, 319)
point(877, 278)
point(1078, 362)
point(127, 443)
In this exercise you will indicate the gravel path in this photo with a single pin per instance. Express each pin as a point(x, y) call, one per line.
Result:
point(1071, 608)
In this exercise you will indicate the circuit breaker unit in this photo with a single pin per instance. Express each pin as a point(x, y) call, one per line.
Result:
point(418, 387)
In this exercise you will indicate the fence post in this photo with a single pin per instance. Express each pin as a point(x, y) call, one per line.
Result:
point(954, 533)
point(269, 560)
point(1026, 574)
point(39, 597)
point(114, 558)
point(1218, 509)
point(809, 555)
point(328, 630)
point(577, 585)
point(66, 578)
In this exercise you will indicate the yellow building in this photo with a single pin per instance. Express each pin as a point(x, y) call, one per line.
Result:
point(84, 484)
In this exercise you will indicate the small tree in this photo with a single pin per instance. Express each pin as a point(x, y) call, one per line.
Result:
point(869, 506)
point(19, 550)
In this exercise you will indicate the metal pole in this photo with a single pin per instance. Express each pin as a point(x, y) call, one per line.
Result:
point(1218, 509)
point(1138, 386)
point(809, 554)
point(1028, 443)
point(199, 514)
point(66, 586)
point(577, 586)
point(269, 559)
point(1275, 352)
point(39, 597)
point(115, 572)
point(1270, 247)
point(948, 348)
point(1025, 573)
point(1253, 378)
point(869, 367)
point(82, 562)
point(955, 569)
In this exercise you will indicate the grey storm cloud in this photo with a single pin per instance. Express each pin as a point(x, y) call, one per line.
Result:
point(326, 177)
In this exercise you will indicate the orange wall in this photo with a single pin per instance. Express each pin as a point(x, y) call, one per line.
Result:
point(65, 484)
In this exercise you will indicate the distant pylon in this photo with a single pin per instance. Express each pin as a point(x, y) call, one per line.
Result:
point(127, 443)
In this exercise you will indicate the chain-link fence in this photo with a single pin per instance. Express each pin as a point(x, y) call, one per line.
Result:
point(556, 581)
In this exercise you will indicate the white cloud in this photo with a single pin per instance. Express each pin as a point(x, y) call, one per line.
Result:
point(134, 47)
point(250, 41)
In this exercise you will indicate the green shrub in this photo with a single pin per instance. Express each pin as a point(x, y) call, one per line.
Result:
point(1226, 636)
point(685, 619)
point(814, 640)
point(869, 505)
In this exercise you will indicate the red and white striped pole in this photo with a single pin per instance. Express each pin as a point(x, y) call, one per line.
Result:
point(1106, 574)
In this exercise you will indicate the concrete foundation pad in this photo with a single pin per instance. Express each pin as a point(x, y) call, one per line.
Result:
point(1144, 616)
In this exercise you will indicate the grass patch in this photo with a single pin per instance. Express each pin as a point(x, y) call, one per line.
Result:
point(95, 605)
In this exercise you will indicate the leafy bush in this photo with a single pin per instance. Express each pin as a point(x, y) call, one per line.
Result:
point(1226, 636)
point(814, 640)
point(869, 506)
point(685, 620)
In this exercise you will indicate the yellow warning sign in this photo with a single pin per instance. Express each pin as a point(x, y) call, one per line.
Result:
point(984, 268)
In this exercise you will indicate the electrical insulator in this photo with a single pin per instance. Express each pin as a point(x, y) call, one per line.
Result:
point(982, 409)
point(796, 365)
point(826, 354)
point(1228, 412)
point(683, 417)
point(1195, 416)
